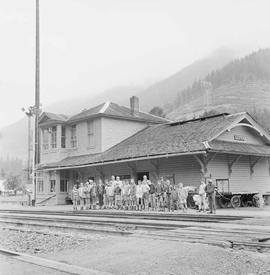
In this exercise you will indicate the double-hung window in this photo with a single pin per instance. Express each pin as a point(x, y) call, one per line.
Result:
point(73, 139)
point(45, 133)
point(53, 137)
point(63, 137)
point(90, 133)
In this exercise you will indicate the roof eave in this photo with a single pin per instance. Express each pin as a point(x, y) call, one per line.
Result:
point(100, 163)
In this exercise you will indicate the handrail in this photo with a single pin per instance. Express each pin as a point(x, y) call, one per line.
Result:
point(46, 199)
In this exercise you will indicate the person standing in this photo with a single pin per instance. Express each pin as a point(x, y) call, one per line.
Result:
point(132, 195)
point(145, 188)
point(152, 195)
point(202, 194)
point(139, 195)
point(117, 194)
point(87, 194)
point(93, 195)
point(75, 197)
point(167, 194)
point(105, 194)
point(159, 195)
point(82, 196)
point(182, 196)
point(100, 193)
point(210, 190)
point(174, 198)
point(110, 195)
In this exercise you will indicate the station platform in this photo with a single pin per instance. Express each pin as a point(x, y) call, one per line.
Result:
point(263, 212)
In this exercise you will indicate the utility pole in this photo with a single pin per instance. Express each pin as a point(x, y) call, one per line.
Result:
point(37, 104)
point(29, 113)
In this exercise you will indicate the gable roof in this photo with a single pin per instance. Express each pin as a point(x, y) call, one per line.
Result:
point(46, 116)
point(164, 140)
point(110, 109)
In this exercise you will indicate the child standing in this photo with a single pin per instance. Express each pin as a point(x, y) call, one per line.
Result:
point(182, 196)
point(82, 196)
point(132, 195)
point(125, 194)
point(174, 197)
point(75, 197)
point(94, 195)
point(139, 195)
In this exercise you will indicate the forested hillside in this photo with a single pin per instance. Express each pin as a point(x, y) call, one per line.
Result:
point(241, 85)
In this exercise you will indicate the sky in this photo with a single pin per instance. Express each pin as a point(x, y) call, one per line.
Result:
point(88, 46)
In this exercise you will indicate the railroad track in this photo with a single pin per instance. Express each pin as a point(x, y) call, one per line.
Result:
point(174, 227)
point(134, 215)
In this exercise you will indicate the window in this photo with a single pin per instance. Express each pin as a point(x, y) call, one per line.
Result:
point(90, 131)
point(40, 186)
point(63, 185)
point(64, 181)
point(73, 140)
point(52, 186)
point(54, 137)
point(223, 185)
point(63, 137)
point(45, 139)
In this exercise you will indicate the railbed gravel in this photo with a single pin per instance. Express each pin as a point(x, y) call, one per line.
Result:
point(41, 242)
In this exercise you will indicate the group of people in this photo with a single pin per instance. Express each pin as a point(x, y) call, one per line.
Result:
point(128, 195)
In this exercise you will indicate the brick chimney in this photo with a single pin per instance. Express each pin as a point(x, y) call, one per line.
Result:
point(134, 105)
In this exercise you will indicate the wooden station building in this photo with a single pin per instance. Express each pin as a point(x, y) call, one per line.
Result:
point(232, 149)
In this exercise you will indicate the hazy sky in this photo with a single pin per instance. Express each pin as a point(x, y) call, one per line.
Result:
point(88, 46)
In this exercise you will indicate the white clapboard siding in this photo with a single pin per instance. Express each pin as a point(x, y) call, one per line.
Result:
point(241, 180)
point(185, 169)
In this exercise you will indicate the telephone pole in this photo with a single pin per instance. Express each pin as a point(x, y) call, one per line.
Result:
point(37, 104)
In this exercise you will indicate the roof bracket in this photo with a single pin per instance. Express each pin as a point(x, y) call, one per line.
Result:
point(202, 163)
point(253, 163)
point(99, 171)
point(231, 163)
point(155, 165)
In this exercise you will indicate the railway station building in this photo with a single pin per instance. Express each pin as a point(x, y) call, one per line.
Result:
point(232, 149)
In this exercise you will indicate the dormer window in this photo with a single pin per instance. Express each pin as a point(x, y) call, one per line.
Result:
point(53, 137)
point(90, 132)
point(73, 139)
point(45, 133)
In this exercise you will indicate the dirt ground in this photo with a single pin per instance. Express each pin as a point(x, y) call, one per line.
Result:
point(132, 255)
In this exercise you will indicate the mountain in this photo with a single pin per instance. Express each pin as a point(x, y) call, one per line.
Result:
point(241, 85)
point(13, 139)
point(164, 92)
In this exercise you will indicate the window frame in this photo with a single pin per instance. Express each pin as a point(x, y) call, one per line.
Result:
point(73, 136)
point(63, 137)
point(45, 133)
point(91, 133)
point(54, 137)
point(52, 190)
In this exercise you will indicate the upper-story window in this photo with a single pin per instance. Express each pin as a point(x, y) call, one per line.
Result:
point(90, 133)
point(45, 134)
point(73, 139)
point(63, 137)
point(53, 137)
